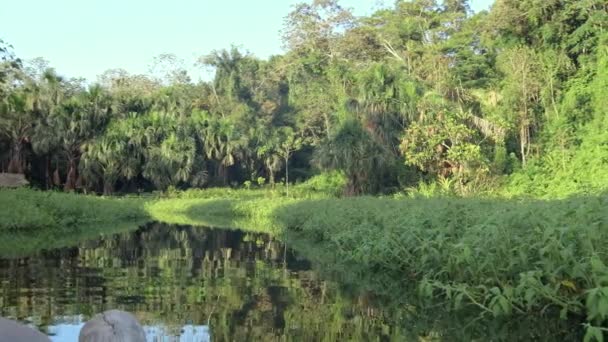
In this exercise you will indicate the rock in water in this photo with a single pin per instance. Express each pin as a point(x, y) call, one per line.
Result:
point(112, 326)
point(11, 331)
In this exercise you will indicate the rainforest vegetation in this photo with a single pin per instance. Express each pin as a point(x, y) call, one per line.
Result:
point(421, 92)
point(485, 135)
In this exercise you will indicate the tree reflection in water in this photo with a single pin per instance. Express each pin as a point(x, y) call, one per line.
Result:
point(243, 286)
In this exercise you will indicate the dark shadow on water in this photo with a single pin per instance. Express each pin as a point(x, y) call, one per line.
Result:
point(17, 244)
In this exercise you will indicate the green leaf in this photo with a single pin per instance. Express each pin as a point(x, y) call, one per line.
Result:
point(593, 334)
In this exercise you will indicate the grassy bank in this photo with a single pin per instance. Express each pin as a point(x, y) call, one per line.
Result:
point(501, 257)
point(34, 220)
point(29, 210)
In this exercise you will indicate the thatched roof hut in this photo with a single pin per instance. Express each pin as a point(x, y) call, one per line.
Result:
point(12, 180)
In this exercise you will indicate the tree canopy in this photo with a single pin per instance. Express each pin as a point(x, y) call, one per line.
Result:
point(421, 91)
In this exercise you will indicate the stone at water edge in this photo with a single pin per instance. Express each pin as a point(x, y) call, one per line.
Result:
point(11, 331)
point(112, 326)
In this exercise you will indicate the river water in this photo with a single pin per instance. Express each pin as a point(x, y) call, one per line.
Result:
point(201, 284)
point(185, 284)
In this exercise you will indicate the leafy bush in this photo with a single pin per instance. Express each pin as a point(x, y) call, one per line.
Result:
point(504, 257)
point(329, 183)
point(561, 174)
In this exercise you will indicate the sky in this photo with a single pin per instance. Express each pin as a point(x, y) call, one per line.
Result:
point(83, 38)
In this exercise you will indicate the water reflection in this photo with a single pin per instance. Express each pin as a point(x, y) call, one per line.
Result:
point(69, 331)
point(185, 282)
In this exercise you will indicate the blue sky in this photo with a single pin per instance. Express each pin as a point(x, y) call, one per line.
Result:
point(87, 37)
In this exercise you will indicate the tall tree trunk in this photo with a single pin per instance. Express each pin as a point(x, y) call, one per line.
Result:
point(222, 173)
point(351, 186)
point(271, 176)
point(15, 164)
point(524, 133)
point(70, 181)
point(48, 180)
point(522, 145)
point(287, 175)
point(327, 125)
point(79, 181)
point(108, 188)
point(56, 177)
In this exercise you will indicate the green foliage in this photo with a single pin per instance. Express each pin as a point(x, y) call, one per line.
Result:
point(502, 258)
point(24, 210)
point(354, 151)
point(330, 183)
point(509, 103)
point(511, 94)
point(446, 147)
point(578, 163)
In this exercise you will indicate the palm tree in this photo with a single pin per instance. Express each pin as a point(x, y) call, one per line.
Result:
point(289, 143)
point(268, 153)
point(227, 71)
point(170, 162)
point(353, 150)
point(75, 122)
point(16, 124)
point(222, 143)
point(387, 103)
point(102, 160)
point(48, 93)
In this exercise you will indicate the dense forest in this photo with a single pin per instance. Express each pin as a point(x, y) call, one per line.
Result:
point(424, 92)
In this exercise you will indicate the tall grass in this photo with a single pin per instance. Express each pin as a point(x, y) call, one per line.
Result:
point(30, 210)
point(502, 257)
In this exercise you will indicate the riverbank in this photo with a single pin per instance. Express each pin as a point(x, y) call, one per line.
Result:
point(23, 210)
point(31, 220)
point(538, 258)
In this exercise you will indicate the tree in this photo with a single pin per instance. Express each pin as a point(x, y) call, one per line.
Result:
point(268, 151)
point(387, 101)
point(72, 124)
point(221, 142)
point(170, 162)
point(289, 143)
point(353, 150)
point(169, 69)
point(314, 27)
point(10, 68)
point(444, 148)
point(16, 124)
point(101, 159)
point(522, 93)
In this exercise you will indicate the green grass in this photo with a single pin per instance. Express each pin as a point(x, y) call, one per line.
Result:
point(29, 210)
point(31, 220)
point(248, 214)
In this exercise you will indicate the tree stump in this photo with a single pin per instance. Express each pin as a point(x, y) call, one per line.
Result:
point(11, 331)
point(112, 326)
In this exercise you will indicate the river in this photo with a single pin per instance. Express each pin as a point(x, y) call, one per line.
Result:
point(185, 284)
